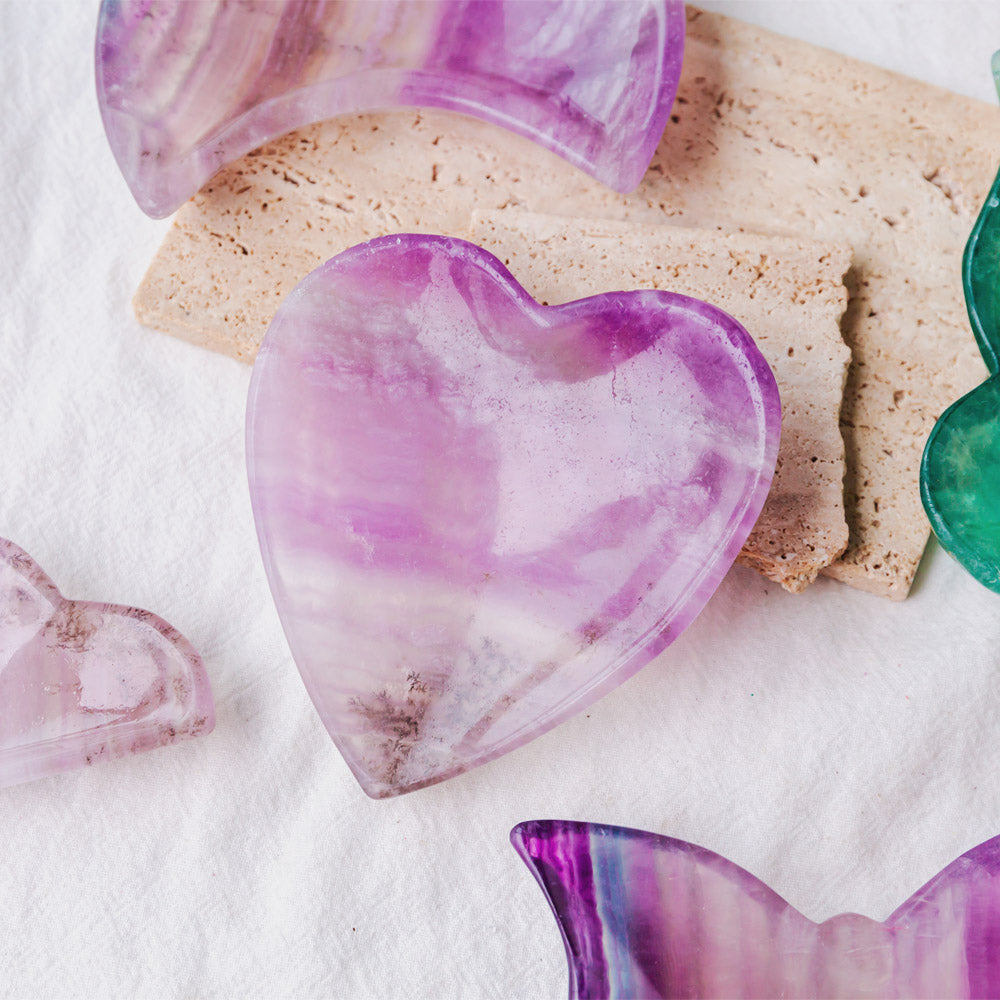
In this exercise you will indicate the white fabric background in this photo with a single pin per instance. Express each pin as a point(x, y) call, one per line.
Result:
point(841, 747)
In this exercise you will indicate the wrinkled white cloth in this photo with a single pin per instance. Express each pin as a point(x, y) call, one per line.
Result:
point(841, 747)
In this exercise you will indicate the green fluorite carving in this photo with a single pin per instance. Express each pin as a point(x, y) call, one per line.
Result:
point(960, 473)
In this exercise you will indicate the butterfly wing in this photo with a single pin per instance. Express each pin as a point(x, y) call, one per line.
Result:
point(960, 471)
point(648, 916)
point(949, 930)
point(82, 681)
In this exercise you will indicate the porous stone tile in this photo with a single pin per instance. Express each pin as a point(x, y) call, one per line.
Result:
point(768, 135)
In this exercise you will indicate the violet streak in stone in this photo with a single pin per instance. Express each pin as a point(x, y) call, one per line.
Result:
point(649, 916)
point(82, 682)
point(185, 86)
point(479, 514)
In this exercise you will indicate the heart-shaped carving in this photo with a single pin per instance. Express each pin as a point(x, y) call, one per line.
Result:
point(479, 514)
point(186, 87)
point(649, 916)
point(82, 682)
point(960, 471)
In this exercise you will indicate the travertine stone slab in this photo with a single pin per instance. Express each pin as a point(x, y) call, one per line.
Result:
point(768, 134)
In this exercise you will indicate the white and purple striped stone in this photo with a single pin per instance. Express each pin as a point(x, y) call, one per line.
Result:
point(645, 916)
point(479, 514)
point(185, 86)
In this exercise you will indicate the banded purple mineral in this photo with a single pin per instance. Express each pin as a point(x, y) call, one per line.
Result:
point(479, 514)
point(185, 86)
point(644, 916)
point(82, 682)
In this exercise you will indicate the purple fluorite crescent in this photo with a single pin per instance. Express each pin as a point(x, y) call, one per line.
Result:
point(479, 514)
point(649, 916)
point(186, 86)
point(82, 682)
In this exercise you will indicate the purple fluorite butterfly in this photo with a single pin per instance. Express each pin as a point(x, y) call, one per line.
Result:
point(82, 682)
point(184, 86)
point(479, 514)
point(649, 916)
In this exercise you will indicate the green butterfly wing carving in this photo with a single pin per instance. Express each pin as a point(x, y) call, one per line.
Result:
point(960, 471)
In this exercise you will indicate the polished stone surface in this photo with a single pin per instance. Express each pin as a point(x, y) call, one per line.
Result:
point(479, 514)
point(960, 472)
point(648, 916)
point(82, 682)
point(184, 87)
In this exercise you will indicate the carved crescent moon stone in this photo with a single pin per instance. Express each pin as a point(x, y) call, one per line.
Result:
point(185, 87)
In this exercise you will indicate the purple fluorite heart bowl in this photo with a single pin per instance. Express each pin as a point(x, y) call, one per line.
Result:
point(479, 514)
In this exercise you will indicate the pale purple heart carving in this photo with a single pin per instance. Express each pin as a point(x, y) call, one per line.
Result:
point(649, 916)
point(478, 514)
point(82, 682)
point(184, 87)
